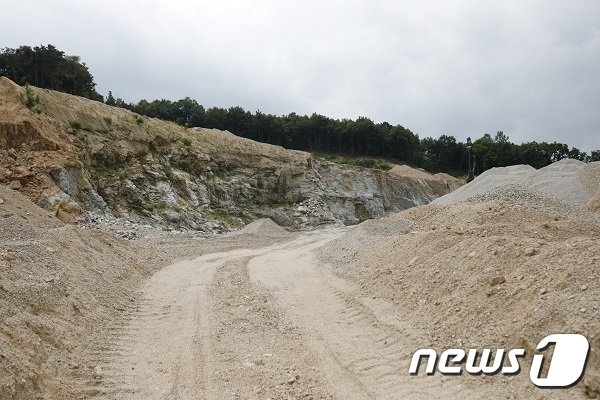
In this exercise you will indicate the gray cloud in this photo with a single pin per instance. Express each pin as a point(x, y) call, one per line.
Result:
point(529, 68)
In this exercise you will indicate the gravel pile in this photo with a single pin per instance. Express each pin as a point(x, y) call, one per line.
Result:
point(16, 228)
point(560, 186)
point(132, 230)
point(534, 199)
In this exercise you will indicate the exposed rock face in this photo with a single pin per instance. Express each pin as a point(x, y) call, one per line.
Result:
point(83, 155)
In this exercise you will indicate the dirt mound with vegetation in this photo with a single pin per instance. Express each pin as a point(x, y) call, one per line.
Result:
point(69, 154)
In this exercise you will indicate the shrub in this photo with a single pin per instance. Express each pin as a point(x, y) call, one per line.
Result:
point(139, 120)
point(122, 175)
point(161, 205)
point(364, 162)
point(384, 167)
point(75, 124)
point(32, 99)
point(108, 120)
point(78, 125)
point(187, 142)
point(168, 172)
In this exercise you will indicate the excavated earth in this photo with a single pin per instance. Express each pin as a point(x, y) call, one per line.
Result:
point(79, 155)
point(264, 312)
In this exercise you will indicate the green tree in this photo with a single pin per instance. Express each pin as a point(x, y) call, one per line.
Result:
point(48, 67)
point(110, 100)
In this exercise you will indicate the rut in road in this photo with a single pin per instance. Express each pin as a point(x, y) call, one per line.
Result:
point(261, 323)
point(165, 348)
point(362, 346)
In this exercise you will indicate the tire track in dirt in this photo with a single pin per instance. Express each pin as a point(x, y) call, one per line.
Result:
point(264, 323)
point(259, 354)
point(163, 351)
point(363, 348)
point(164, 348)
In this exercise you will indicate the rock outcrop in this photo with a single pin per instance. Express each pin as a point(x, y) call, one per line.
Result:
point(80, 155)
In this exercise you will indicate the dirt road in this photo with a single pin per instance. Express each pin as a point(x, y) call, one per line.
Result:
point(262, 323)
point(265, 323)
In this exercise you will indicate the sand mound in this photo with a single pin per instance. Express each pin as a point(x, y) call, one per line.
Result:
point(486, 274)
point(263, 225)
point(508, 261)
point(559, 181)
point(489, 179)
point(405, 170)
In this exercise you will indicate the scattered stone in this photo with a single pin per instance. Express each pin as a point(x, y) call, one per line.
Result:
point(472, 254)
point(15, 185)
point(543, 291)
point(21, 172)
point(97, 374)
point(1, 201)
point(530, 251)
point(498, 280)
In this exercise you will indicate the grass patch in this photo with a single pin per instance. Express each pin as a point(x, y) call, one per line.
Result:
point(122, 175)
point(358, 161)
point(186, 166)
point(384, 166)
point(174, 179)
point(77, 125)
point(187, 142)
point(161, 205)
point(227, 218)
point(108, 120)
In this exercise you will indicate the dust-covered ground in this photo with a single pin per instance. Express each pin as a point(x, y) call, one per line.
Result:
point(500, 263)
point(64, 291)
point(334, 313)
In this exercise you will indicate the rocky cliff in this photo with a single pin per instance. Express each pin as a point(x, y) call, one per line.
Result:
point(71, 155)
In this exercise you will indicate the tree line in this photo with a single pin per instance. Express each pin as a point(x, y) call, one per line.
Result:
point(45, 66)
point(360, 137)
point(50, 68)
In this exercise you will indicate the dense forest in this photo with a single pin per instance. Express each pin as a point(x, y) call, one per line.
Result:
point(48, 67)
point(359, 138)
point(362, 138)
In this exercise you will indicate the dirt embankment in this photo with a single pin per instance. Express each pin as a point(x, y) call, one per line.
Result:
point(78, 155)
point(257, 313)
point(64, 290)
point(502, 265)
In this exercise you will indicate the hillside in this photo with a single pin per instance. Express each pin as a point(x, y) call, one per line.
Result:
point(80, 155)
point(276, 309)
point(500, 262)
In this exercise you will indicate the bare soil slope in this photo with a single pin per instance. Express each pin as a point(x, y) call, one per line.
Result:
point(63, 290)
point(80, 155)
point(487, 273)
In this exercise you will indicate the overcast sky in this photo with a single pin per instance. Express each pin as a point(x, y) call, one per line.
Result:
point(529, 68)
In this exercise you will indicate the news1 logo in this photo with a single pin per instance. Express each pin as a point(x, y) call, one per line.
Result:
point(566, 366)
